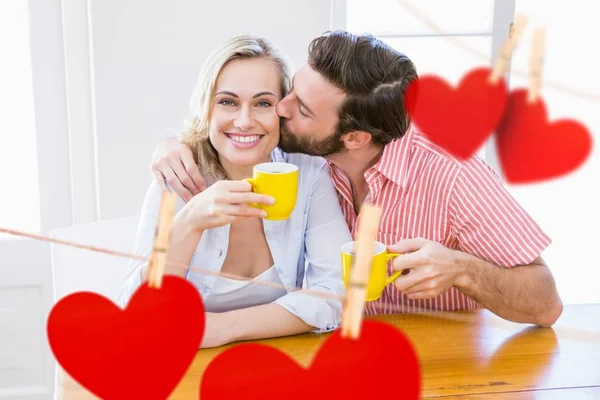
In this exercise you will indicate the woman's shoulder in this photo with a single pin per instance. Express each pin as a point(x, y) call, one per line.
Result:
point(302, 161)
point(153, 198)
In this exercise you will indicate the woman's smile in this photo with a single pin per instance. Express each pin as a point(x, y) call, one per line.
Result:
point(244, 141)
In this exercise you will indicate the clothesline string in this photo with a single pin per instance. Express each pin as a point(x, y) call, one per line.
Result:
point(585, 336)
point(179, 266)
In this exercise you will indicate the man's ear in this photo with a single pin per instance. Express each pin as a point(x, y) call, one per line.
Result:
point(356, 140)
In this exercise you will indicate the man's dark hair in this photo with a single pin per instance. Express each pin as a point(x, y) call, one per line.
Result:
point(374, 77)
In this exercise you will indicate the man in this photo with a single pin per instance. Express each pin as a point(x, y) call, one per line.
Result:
point(466, 243)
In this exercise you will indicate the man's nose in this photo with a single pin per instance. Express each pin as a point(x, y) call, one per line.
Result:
point(283, 109)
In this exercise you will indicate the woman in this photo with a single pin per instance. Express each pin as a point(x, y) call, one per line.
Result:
point(233, 126)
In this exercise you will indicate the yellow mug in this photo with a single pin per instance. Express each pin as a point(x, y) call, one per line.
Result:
point(378, 278)
point(280, 181)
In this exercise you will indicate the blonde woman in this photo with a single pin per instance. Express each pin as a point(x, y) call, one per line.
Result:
point(234, 126)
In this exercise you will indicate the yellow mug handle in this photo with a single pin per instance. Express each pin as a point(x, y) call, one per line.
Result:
point(396, 274)
point(253, 183)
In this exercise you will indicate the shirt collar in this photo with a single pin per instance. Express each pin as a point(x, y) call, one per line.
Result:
point(393, 163)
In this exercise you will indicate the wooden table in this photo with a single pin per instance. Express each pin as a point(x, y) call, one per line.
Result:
point(472, 355)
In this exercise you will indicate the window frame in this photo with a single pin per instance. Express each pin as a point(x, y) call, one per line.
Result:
point(503, 15)
point(50, 111)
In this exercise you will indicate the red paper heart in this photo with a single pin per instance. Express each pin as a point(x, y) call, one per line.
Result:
point(141, 352)
point(458, 120)
point(531, 149)
point(381, 364)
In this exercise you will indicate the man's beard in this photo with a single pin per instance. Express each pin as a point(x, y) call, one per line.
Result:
point(291, 143)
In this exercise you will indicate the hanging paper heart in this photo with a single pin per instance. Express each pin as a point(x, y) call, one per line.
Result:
point(457, 119)
point(531, 149)
point(141, 352)
point(342, 369)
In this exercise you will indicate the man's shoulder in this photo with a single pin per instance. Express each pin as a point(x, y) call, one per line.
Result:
point(422, 145)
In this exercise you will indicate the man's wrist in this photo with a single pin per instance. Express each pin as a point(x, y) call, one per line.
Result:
point(468, 267)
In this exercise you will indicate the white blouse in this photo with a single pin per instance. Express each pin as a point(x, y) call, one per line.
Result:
point(305, 248)
point(231, 294)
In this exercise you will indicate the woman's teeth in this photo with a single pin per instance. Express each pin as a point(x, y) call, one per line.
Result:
point(245, 139)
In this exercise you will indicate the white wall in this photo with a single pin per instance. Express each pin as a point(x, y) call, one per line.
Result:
point(26, 294)
point(568, 209)
point(145, 59)
point(17, 128)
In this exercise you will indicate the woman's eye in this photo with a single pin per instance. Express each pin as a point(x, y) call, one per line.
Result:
point(265, 104)
point(226, 102)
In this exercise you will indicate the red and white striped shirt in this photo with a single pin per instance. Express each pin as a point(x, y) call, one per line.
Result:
point(425, 192)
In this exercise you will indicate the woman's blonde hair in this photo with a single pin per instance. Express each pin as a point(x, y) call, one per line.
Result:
point(196, 132)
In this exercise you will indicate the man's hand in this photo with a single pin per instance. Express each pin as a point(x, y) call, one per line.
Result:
point(522, 293)
point(432, 268)
point(173, 163)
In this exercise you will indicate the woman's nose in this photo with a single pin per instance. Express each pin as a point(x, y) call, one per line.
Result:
point(244, 120)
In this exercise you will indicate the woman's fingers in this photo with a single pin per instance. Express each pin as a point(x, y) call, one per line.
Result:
point(240, 210)
point(249, 197)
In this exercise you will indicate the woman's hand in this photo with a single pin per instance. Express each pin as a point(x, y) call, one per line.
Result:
point(223, 203)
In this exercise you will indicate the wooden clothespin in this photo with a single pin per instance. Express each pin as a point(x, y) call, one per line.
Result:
point(503, 60)
point(162, 236)
point(352, 313)
point(535, 64)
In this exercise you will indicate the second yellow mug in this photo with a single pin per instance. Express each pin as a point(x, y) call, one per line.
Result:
point(280, 181)
point(378, 278)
